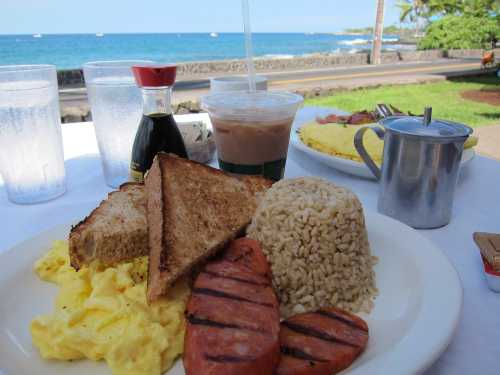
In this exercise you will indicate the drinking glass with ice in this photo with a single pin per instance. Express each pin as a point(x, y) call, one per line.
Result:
point(116, 106)
point(31, 151)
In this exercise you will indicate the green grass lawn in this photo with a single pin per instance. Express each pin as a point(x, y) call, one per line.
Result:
point(444, 97)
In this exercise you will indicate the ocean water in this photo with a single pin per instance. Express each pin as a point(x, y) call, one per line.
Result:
point(72, 50)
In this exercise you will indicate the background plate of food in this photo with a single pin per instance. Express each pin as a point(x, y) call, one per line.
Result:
point(333, 143)
point(404, 288)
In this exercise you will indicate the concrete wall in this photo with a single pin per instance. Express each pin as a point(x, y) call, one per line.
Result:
point(396, 56)
point(468, 53)
point(432, 54)
point(269, 65)
point(74, 78)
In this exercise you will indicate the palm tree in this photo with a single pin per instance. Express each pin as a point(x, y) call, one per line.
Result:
point(414, 11)
point(378, 33)
point(411, 10)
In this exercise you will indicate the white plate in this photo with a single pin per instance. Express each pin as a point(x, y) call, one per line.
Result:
point(345, 165)
point(413, 321)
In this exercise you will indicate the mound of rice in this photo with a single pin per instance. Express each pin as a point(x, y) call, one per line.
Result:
point(313, 234)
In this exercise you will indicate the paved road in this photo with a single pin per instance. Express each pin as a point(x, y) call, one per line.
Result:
point(447, 67)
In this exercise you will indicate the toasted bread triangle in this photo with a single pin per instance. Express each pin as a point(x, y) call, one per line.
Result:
point(193, 211)
point(115, 231)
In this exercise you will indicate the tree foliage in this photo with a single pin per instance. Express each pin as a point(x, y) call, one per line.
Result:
point(461, 32)
point(413, 9)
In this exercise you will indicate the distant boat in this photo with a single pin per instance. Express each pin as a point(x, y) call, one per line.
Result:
point(214, 35)
point(37, 35)
point(310, 33)
point(99, 35)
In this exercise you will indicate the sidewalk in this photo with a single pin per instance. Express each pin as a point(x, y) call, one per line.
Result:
point(489, 141)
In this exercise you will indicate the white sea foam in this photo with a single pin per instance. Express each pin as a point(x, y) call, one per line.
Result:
point(353, 42)
point(359, 41)
point(277, 56)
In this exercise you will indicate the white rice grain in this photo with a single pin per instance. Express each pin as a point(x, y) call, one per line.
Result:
point(314, 237)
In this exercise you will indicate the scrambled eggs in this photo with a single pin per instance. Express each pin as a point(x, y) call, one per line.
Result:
point(102, 313)
point(338, 140)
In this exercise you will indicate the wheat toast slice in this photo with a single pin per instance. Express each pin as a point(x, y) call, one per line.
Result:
point(193, 211)
point(115, 231)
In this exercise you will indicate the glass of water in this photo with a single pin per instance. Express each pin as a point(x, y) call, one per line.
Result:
point(31, 151)
point(116, 105)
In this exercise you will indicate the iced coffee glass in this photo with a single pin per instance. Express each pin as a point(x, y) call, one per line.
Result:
point(252, 130)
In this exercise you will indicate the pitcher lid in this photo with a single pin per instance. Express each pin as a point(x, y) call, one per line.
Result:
point(435, 129)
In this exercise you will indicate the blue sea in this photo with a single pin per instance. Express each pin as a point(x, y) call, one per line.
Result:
point(72, 50)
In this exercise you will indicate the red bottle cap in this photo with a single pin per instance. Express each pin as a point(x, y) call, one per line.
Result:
point(154, 75)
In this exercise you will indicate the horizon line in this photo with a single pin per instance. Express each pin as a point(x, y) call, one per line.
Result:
point(182, 32)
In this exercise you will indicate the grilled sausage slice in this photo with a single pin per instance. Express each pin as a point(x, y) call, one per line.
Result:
point(321, 343)
point(233, 316)
point(247, 253)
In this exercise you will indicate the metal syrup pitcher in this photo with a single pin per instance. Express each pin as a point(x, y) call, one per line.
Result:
point(420, 165)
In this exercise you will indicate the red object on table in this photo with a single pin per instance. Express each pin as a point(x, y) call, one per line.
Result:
point(154, 75)
point(492, 276)
point(488, 268)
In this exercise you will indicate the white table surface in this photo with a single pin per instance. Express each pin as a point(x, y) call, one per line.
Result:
point(475, 348)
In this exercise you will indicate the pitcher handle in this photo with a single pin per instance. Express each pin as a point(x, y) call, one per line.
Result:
point(358, 143)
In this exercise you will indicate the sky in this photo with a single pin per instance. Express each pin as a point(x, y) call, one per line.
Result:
point(157, 16)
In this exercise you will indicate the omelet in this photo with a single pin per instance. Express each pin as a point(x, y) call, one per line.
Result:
point(338, 140)
point(472, 141)
point(101, 313)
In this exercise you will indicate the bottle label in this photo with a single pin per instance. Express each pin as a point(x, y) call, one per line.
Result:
point(135, 174)
point(274, 170)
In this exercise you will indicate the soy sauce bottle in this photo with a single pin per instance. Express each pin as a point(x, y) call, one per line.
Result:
point(157, 130)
